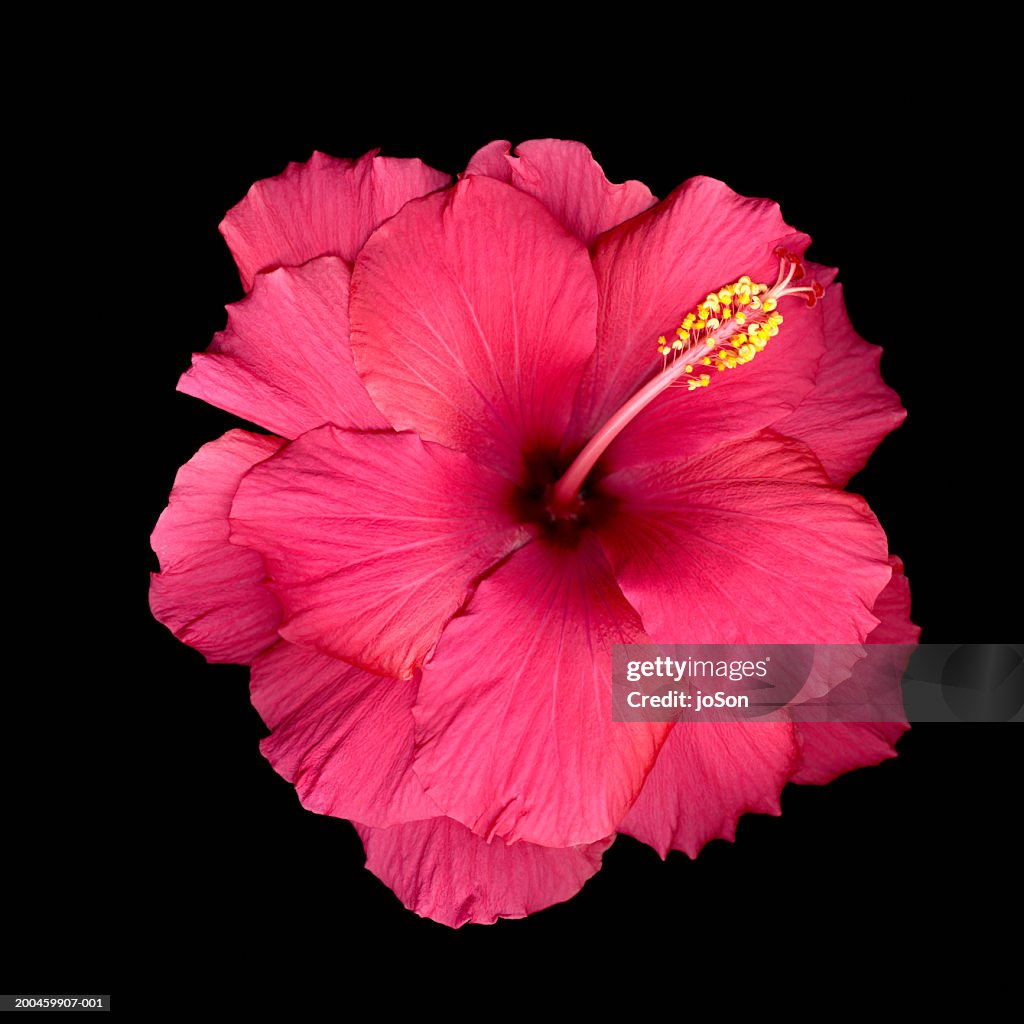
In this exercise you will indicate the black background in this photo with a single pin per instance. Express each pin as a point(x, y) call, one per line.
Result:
point(165, 825)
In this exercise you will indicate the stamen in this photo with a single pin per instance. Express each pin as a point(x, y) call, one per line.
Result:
point(728, 329)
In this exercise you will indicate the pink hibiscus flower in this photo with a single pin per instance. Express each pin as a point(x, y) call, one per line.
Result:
point(516, 421)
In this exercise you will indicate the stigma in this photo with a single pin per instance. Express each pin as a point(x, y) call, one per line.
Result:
point(732, 325)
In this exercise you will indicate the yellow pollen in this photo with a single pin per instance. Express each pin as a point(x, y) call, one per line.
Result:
point(732, 324)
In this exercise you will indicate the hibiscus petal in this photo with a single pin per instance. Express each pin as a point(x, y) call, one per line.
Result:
point(707, 776)
point(344, 737)
point(322, 207)
point(652, 271)
point(829, 749)
point(850, 409)
point(472, 314)
point(747, 543)
point(513, 720)
point(372, 541)
point(567, 179)
point(441, 870)
point(493, 161)
point(209, 592)
point(285, 361)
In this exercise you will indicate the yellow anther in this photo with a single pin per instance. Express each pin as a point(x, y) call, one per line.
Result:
point(708, 330)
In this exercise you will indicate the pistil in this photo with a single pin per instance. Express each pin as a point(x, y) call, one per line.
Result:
point(728, 329)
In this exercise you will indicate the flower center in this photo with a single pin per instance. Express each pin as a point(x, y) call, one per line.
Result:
point(726, 330)
point(564, 522)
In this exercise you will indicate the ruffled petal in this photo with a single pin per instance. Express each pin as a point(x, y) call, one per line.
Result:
point(829, 749)
point(652, 271)
point(472, 314)
point(707, 776)
point(209, 592)
point(514, 729)
point(441, 870)
point(344, 737)
point(567, 179)
point(493, 161)
point(285, 361)
point(748, 543)
point(850, 409)
point(372, 541)
point(323, 207)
